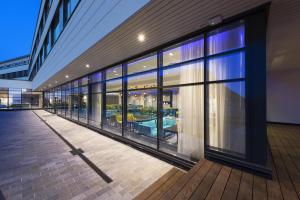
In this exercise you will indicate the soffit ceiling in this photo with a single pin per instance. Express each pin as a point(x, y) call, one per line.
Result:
point(164, 21)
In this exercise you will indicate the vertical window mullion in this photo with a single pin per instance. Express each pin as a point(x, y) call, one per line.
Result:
point(124, 98)
point(159, 96)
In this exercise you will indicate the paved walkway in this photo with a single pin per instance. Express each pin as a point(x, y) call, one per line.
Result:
point(36, 164)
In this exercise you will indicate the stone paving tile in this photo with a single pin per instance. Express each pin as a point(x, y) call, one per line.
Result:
point(36, 164)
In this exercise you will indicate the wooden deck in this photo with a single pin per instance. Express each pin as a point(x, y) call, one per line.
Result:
point(209, 180)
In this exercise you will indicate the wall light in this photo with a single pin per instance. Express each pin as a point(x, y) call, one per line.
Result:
point(141, 37)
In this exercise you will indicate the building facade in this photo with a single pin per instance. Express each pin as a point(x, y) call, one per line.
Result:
point(15, 88)
point(182, 80)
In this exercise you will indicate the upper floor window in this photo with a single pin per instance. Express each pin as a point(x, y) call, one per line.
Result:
point(57, 23)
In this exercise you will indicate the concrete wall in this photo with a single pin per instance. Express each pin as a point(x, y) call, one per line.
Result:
point(283, 76)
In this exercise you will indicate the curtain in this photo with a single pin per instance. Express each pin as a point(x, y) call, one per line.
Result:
point(226, 103)
point(190, 106)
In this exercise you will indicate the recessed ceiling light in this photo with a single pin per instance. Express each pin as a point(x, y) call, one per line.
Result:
point(49, 85)
point(141, 37)
point(56, 81)
point(145, 66)
point(87, 66)
point(171, 54)
point(114, 71)
point(67, 76)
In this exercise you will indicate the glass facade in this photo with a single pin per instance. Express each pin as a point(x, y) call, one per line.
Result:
point(13, 98)
point(179, 100)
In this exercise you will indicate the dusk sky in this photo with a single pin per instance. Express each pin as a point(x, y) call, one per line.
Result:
point(17, 25)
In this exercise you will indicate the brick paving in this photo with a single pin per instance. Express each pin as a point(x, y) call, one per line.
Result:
point(36, 164)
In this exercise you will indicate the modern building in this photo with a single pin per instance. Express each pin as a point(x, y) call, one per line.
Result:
point(15, 88)
point(181, 80)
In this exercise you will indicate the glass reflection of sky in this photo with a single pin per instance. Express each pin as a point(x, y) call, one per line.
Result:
point(236, 87)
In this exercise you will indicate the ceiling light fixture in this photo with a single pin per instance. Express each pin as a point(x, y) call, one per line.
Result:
point(171, 54)
point(215, 20)
point(87, 66)
point(67, 76)
point(141, 37)
point(145, 66)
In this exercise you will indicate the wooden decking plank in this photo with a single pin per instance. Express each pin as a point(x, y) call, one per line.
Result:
point(273, 187)
point(172, 192)
point(219, 185)
point(233, 184)
point(157, 184)
point(204, 187)
point(245, 190)
point(290, 167)
point(285, 182)
point(189, 188)
point(259, 188)
point(166, 186)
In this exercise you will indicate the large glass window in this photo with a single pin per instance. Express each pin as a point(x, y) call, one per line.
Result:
point(113, 112)
point(184, 51)
point(68, 101)
point(142, 116)
point(229, 66)
point(75, 103)
point(83, 109)
point(143, 64)
point(226, 117)
point(57, 23)
point(96, 106)
point(227, 38)
point(226, 100)
point(183, 122)
point(15, 100)
point(3, 98)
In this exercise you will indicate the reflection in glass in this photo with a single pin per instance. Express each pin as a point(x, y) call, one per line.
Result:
point(143, 64)
point(3, 98)
point(225, 39)
point(226, 117)
point(147, 80)
point(189, 73)
point(96, 110)
point(96, 77)
point(142, 116)
point(227, 67)
point(114, 72)
point(68, 101)
point(15, 98)
point(75, 103)
point(185, 51)
point(113, 112)
point(83, 109)
point(114, 85)
point(183, 121)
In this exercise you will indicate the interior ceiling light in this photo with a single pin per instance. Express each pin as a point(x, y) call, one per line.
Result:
point(171, 54)
point(145, 66)
point(87, 66)
point(67, 76)
point(141, 37)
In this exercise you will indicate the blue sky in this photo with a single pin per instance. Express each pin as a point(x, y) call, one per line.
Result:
point(17, 25)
